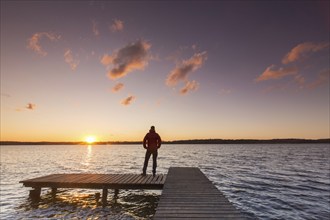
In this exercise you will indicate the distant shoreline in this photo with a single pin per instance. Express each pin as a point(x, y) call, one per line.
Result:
point(195, 141)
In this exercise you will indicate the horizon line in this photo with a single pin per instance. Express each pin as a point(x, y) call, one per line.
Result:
point(185, 141)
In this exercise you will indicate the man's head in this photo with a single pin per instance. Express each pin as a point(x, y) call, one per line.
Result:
point(152, 128)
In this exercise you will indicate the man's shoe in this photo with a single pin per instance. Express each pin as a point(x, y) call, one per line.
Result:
point(154, 174)
point(143, 174)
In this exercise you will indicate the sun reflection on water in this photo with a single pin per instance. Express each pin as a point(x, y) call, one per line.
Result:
point(88, 157)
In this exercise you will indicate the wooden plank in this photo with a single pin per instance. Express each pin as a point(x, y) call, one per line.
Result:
point(120, 179)
point(87, 178)
point(98, 179)
point(138, 179)
point(112, 178)
point(107, 178)
point(189, 194)
point(161, 180)
point(94, 181)
point(91, 178)
point(146, 180)
point(68, 178)
point(78, 178)
point(154, 180)
point(142, 179)
point(130, 180)
point(126, 180)
point(133, 180)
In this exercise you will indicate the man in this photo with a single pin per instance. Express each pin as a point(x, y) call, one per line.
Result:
point(151, 142)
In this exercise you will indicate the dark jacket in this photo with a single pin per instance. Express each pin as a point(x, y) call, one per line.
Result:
point(152, 141)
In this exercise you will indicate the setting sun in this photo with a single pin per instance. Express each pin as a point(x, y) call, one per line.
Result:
point(90, 139)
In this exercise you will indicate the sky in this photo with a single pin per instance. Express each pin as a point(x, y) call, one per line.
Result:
point(193, 69)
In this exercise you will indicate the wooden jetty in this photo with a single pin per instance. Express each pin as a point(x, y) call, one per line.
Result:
point(94, 181)
point(189, 194)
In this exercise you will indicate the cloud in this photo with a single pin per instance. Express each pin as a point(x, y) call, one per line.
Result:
point(299, 53)
point(95, 29)
point(128, 100)
point(106, 60)
point(34, 41)
point(190, 86)
point(322, 78)
point(30, 106)
point(271, 73)
point(68, 57)
point(117, 25)
point(303, 50)
point(186, 67)
point(134, 56)
point(118, 87)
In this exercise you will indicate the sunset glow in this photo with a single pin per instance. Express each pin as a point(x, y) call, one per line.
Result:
point(209, 69)
point(90, 139)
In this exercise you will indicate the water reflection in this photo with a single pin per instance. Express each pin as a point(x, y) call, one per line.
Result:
point(88, 157)
point(68, 203)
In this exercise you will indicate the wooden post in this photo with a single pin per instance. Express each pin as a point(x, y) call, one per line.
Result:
point(54, 191)
point(97, 197)
point(116, 193)
point(104, 197)
point(35, 194)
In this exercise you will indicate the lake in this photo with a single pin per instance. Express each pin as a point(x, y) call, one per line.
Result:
point(264, 181)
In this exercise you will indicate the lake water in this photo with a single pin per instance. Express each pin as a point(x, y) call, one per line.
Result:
point(279, 181)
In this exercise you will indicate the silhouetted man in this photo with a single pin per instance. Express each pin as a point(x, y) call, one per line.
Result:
point(151, 142)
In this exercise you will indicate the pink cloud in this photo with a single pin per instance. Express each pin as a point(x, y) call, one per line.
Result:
point(34, 41)
point(106, 60)
point(186, 67)
point(303, 50)
point(68, 57)
point(128, 100)
point(117, 25)
point(118, 87)
point(134, 56)
point(190, 86)
point(30, 106)
point(271, 73)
